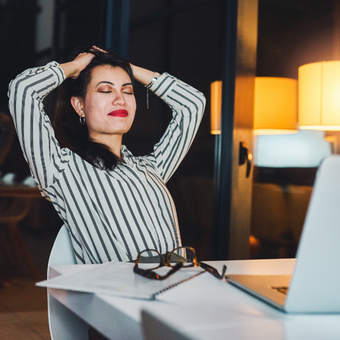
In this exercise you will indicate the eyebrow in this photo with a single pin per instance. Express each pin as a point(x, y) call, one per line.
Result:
point(110, 83)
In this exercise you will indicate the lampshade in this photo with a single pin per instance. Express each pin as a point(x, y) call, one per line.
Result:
point(319, 96)
point(215, 107)
point(275, 105)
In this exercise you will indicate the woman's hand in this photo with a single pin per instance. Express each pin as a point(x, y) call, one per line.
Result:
point(143, 75)
point(73, 68)
point(95, 48)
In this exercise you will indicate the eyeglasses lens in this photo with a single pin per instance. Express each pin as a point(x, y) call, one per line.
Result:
point(149, 259)
point(186, 255)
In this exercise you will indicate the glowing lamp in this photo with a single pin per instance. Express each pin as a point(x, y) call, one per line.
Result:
point(215, 107)
point(275, 106)
point(319, 96)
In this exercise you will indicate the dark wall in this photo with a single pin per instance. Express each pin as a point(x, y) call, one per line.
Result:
point(17, 39)
point(293, 33)
point(17, 30)
point(77, 23)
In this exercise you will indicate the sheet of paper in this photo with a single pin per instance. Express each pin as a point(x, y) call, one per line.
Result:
point(118, 278)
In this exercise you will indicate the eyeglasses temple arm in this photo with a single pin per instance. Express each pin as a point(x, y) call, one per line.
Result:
point(224, 269)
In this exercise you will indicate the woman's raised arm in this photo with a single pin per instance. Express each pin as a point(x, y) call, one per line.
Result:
point(143, 75)
point(35, 133)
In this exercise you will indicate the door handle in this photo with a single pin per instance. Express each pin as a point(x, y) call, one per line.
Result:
point(245, 156)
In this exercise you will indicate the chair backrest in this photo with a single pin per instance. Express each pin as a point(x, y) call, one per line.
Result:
point(62, 322)
point(62, 251)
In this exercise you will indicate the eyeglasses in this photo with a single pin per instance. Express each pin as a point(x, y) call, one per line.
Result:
point(150, 259)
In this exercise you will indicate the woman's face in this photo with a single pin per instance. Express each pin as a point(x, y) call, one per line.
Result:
point(109, 105)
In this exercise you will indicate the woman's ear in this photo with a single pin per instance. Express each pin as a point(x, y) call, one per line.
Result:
point(77, 104)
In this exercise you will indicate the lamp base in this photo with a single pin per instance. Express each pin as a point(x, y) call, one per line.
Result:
point(333, 137)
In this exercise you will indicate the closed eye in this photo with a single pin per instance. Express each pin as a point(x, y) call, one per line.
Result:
point(127, 89)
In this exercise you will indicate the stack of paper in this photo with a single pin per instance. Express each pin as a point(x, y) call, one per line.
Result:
point(118, 278)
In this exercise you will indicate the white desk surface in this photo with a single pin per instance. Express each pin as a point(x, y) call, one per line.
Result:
point(202, 308)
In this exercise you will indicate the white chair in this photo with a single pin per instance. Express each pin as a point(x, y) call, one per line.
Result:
point(64, 324)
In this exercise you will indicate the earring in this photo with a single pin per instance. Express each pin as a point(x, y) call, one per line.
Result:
point(82, 120)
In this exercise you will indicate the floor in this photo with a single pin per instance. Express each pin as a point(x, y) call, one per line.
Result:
point(23, 312)
point(23, 306)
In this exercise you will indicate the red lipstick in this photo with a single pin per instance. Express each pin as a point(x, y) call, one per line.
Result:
point(118, 113)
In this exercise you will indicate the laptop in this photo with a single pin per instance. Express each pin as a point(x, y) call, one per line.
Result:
point(314, 286)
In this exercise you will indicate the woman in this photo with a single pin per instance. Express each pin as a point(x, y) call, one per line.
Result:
point(113, 204)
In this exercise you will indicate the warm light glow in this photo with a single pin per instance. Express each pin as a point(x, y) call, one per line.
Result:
point(319, 96)
point(215, 107)
point(275, 105)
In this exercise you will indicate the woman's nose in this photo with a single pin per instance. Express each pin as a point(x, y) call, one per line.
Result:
point(118, 98)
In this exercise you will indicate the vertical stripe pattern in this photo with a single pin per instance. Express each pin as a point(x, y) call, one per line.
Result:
point(111, 215)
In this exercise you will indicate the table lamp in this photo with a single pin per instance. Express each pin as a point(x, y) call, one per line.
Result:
point(275, 106)
point(319, 96)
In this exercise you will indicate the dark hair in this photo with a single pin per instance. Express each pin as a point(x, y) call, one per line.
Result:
point(68, 130)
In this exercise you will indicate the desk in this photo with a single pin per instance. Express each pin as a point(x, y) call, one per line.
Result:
point(202, 308)
point(19, 190)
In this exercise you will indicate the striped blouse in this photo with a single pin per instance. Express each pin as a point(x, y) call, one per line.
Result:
point(111, 215)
